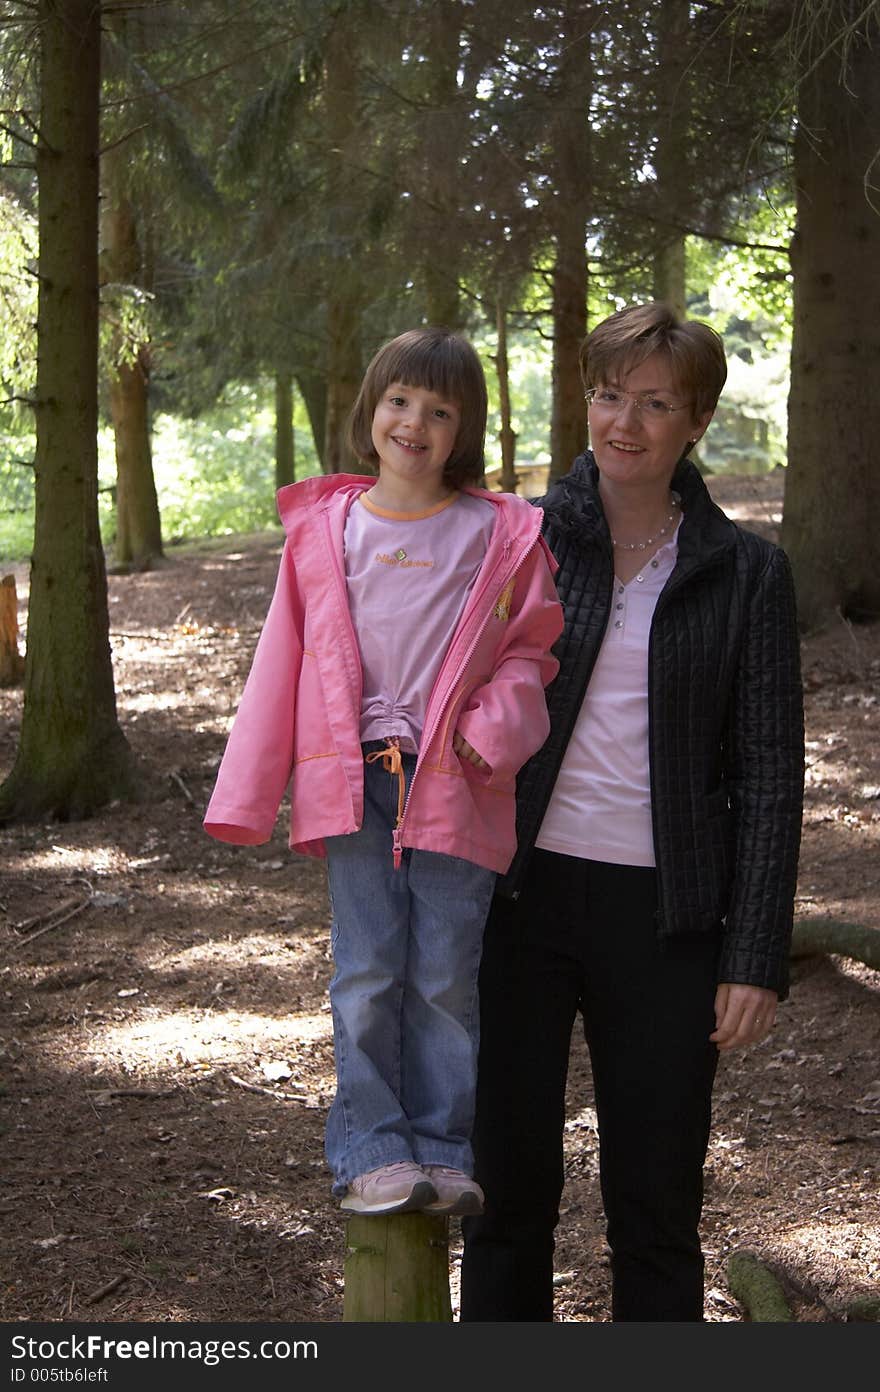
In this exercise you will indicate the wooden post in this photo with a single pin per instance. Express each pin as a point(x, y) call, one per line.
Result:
point(397, 1269)
point(11, 661)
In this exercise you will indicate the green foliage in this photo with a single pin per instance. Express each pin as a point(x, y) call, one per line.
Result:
point(753, 281)
point(216, 475)
point(18, 296)
point(125, 325)
point(529, 366)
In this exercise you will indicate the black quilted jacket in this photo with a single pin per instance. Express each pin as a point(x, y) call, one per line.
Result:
point(726, 720)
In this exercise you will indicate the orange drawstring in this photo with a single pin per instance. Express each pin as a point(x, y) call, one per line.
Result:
point(392, 763)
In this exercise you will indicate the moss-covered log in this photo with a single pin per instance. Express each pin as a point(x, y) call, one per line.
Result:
point(864, 1309)
point(757, 1289)
point(820, 936)
point(397, 1269)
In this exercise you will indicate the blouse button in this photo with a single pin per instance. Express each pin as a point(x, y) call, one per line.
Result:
point(654, 565)
point(620, 589)
point(640, 579)
point(618, 606)
point(618, 623)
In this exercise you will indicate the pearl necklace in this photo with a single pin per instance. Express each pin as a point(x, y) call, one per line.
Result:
point(674, 502)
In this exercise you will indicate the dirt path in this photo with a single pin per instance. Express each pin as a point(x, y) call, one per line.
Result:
point(166, 1045)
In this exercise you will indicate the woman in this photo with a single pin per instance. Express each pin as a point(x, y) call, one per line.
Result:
point(658, 834)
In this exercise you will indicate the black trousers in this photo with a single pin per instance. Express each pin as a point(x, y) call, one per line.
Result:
point(582, 937)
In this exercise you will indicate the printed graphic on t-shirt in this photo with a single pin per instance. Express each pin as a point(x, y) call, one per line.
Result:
point(400, 558)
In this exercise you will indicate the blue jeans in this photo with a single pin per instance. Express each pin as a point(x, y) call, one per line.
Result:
point(406, 950)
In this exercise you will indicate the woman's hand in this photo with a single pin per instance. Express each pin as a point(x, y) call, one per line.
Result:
point(467, 751)
point(743, 1015)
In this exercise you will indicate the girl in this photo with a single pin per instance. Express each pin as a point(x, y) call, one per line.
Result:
point(397, 687)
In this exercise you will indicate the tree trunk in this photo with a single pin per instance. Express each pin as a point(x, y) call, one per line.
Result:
point(138, 520)
point(568, 412)
point(285, 455)
point(674, 60)
point(507, 434)
point(832, 494)
point(343, 381)
point(313, 390)
point(11, 660)
point(442, 162)
point(670, 282)
point(397, 1269)
point(571, 210)
point(72, 756)
point(344, 288)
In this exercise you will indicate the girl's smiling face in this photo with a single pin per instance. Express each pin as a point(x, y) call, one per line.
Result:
point(413, 434)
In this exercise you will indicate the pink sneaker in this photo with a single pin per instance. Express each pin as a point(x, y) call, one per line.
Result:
point(457, 1193)
point(396, 1188)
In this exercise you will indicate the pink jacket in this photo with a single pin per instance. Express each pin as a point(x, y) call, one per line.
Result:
point(297, 726)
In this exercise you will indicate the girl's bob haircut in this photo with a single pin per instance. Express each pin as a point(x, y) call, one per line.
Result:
point(436, 360)
point(625, 339)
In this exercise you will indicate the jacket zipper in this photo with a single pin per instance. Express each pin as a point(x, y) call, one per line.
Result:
point(339, 576)
point(673, 584)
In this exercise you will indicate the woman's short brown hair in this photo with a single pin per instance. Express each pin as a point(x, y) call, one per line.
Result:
point(695, 352)
point(438, 361)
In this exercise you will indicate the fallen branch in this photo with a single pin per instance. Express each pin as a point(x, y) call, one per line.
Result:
point(141, 1093)
point(820, 936)
point(826, 754)
point(757, 1289)
point(110, 1287)
point(72, 906)
point(266, 1091)
point(176, 778)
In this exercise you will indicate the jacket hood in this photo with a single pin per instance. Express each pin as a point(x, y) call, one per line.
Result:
point(309, 492)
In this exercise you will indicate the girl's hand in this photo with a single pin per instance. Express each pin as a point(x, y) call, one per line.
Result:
point(466, 751)
point(743, 1015)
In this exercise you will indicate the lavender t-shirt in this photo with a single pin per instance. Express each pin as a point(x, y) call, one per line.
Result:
point(409, 576)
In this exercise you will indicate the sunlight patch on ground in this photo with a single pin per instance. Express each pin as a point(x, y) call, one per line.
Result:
point(154, 701)
point(257, 948)
point(192, 1037)
point(256, 951)
point(847, 1241)
point(94, 860)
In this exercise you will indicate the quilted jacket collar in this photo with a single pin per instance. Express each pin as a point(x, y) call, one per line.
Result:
point(573, 505)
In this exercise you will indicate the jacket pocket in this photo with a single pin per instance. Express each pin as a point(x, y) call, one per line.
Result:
point(312, 736)
point(717, 845)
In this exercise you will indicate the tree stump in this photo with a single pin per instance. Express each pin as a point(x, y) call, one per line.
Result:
point(11, 661)
point(397, 1269)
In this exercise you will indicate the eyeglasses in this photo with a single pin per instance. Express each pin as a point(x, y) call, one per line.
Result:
point(611, 400)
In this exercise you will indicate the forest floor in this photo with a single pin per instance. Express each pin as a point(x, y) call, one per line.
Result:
point(166, 1042)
